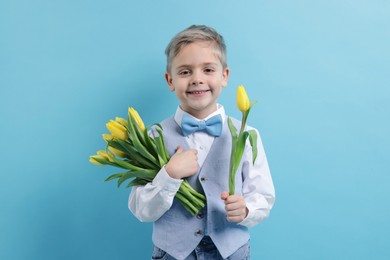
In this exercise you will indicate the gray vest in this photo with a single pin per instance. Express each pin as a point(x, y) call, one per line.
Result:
point(177, 232)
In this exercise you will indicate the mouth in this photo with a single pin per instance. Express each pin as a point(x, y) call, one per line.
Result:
point(198, 92)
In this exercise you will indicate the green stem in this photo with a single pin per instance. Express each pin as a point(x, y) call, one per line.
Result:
point(186, 204)
point(193, 192)
point(243, 122)
point(194, 200)
point(232, 167)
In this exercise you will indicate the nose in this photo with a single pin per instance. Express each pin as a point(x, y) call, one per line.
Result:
point(196, 83)
point(196, 79)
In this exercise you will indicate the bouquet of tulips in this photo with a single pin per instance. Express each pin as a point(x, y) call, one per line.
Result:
point(239, 140)
point(141, 153)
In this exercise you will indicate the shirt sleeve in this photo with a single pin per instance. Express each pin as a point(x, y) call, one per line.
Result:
point(258, 189)
point(148, 203)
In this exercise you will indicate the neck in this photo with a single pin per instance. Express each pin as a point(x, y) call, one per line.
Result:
point(200, 114)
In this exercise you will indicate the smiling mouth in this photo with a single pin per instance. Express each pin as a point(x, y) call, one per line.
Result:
point(198, 92)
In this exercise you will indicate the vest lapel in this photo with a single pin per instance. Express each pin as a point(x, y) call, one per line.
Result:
point(217, 144)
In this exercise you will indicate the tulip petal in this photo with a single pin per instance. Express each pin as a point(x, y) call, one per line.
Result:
point(243, 103)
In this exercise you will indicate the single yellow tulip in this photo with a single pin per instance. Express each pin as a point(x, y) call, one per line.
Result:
point(117, 152)
point(106, 156)
point(107, 137)
point(243, 103)
point(92, 159)
point(121, 121)
point(117, 130)
point(137, 118)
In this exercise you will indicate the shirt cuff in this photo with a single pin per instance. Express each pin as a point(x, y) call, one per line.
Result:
point(166, 182)
point(249, 221)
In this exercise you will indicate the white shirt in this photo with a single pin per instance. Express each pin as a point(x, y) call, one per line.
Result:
point(150, 202)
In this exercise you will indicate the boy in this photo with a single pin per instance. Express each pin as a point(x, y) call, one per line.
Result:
point(197, 72)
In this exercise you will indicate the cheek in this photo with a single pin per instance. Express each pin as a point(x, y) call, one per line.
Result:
point(217, 84)
point(217, 91)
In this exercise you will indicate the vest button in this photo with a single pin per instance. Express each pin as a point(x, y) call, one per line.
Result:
point(202, 178)
point(199, 216)
point(198, 232)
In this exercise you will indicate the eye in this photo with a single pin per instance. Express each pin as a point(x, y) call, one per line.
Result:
point(185, 72)
point(209, 70)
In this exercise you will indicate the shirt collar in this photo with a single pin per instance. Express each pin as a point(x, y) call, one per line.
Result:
point(180, 112)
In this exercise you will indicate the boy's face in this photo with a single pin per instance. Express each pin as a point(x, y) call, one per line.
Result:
point(197, 77)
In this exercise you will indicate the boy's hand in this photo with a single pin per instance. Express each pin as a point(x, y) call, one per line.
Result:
point(236, 210)
point(182, 163)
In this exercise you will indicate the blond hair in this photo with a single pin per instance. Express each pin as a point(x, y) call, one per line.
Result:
point(195, 33)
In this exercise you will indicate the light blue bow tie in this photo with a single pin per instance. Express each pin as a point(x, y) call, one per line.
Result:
point(213, 125)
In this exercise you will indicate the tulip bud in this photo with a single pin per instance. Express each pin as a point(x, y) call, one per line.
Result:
point(117, 152)
point(243, 103)
point(107, 137)
point(117, 130)
point(102, 156)
point(92, 160)
point(137, 118)
point(121, 121)
point(106, 156)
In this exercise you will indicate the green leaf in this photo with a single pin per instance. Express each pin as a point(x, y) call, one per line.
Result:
point(126, 165)
point(134, 154)
point(253, 141)
point(138, 145)
point(150, 145)
point(161, 146)
point(232, 129)
point(137, 182)
point(238, 148)
point(123, 178)
point(138, 174)
point(134, 128)
point(130, 155)
point(114, 176)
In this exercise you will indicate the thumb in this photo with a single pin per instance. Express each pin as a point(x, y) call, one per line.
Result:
point(179, 149)
point(224, 195)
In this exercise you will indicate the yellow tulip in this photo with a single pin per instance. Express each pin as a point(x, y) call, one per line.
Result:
point(243, 103)
point(107, 137)
point(117, 130)
point(92, 159)
point(121, 121)
point(117, 152)
point(137, 118)
point(106, 156)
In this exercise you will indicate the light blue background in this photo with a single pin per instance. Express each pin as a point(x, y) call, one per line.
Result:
point(319, 69)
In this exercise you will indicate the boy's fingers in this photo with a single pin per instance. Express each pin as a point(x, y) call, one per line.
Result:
point(180, 149)
point(224, 195)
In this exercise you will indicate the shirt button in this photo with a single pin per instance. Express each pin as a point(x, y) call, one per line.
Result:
point(198, 232)
point(201, 147)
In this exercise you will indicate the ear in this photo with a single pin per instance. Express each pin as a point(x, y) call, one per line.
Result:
point(168, 79)
point(225, 76)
